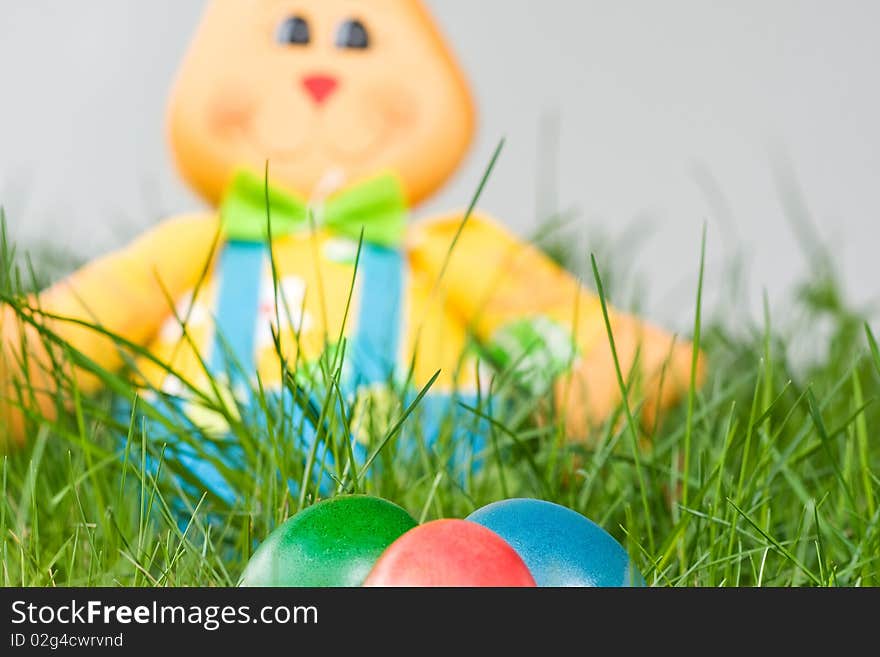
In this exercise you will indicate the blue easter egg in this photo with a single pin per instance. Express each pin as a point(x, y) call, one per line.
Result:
point(560, 546)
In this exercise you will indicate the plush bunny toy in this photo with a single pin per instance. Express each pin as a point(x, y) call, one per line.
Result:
point(361, 113)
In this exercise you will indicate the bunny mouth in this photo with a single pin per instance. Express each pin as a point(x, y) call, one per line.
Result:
point(275, 151)
point(364, 146)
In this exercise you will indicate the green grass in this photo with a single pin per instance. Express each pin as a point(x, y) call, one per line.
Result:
point(768, 475)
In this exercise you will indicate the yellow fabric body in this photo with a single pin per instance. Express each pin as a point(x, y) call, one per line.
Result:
point(491, 278)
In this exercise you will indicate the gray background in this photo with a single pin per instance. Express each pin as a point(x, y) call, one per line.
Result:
point(649, 98)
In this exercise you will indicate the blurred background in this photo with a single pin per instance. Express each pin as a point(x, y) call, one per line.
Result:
point(645, 119)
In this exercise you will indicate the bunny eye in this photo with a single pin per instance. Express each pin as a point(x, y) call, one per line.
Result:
point(352, 34)
point(294, 31)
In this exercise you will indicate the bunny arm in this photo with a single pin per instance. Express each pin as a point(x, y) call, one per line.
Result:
point(496, 281)
point(126, 293)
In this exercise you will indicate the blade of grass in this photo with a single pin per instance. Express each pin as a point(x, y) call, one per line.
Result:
point(625, 401)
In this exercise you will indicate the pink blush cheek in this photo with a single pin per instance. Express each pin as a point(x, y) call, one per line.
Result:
point(397, 105)
point(230, 109)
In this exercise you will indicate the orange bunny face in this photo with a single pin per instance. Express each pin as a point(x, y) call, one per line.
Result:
point(328, 91)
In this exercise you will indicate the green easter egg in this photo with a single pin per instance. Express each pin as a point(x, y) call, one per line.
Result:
point(332, 544)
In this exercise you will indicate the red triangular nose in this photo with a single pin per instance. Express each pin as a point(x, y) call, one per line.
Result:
point(320, 87)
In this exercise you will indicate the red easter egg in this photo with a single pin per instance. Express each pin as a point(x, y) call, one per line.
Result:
point(450, 553)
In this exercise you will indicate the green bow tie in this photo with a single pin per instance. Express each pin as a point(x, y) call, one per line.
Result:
point(376, 206)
